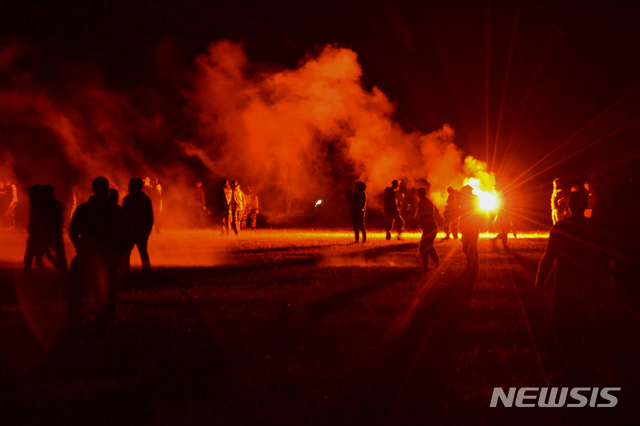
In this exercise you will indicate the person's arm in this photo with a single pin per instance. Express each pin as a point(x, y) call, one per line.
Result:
point(14, 197)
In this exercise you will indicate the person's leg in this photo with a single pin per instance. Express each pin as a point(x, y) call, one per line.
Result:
point(364, 231)
point(390, 222)
point(226, 223)
point(401, 221)
point(465, 245)
point(236, 221)
point(30, 254)
point(432, 251)
point(126, 264)
point(423, 248)
point(61, 256)
point(356, 228)
point(445, 228)
point(142, 242)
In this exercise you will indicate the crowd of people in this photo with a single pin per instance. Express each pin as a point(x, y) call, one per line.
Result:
point(105, 229)
point(233, 207)
point(461, 214)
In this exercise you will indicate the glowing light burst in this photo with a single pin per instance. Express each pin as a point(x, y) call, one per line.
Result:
point(489, 200)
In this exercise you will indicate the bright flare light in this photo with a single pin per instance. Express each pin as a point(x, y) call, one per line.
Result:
point(318, 203)
point(489, 201)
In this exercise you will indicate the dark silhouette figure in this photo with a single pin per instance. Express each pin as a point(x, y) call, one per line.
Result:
point(114, 196)
point(504, 226)
point(502, 222)
point(99, 231)
point(559, 207)
point(138, 208)
point(252, 209)
point(45, 229)
point(358, 200)
point(199, 204)
point(392, 208)
point(575, 245)
point(451, 214)
point(222, 205)
point(428, 216)
point(470, 222)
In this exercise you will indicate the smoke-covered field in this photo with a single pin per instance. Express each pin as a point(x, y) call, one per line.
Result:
point(298, 327)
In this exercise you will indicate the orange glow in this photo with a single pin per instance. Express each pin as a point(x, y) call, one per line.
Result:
point(489, 200)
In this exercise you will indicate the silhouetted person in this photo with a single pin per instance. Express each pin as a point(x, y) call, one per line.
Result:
point(199, 204)
point(575, 245)
point(114, 196)
point(252, 209)
point(392, 208)
point(222, 202)
point(358, 200)
point(591, 199)
point(236, 206)
point(470, 222)
point(504, 226)
point(45, 229)
point(138, 208)
point(558, 202)
point(428, 217)
point(99, 231)
point(451, 214)
point(503, 222)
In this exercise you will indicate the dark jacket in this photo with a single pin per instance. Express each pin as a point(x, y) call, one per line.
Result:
point(99, 226)
point(137, 206)
point(358, 200)
point(391, 201)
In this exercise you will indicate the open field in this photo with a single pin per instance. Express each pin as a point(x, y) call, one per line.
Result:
point(301, 327)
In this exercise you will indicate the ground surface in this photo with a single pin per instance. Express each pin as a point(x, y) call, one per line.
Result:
point(293, 327)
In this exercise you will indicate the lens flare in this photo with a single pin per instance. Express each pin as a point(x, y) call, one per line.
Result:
point(489, 200)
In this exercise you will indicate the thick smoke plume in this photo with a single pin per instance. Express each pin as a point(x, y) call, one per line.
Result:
point(306, 130)
point(294, 135)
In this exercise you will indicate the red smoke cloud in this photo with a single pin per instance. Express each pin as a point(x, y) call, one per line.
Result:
point(294, 129)
point(293, 134)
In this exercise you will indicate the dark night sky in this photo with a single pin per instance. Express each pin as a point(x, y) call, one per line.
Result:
point(552, 66)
